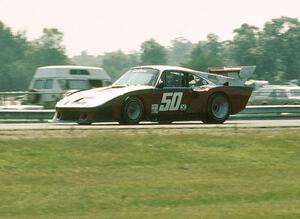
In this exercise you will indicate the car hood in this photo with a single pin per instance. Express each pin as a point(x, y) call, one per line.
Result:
point(97, 96)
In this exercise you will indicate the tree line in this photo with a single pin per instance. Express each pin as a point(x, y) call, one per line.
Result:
point(274, 49)
point(20, 57)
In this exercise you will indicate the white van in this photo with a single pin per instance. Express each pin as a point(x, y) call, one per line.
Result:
point(50, 82)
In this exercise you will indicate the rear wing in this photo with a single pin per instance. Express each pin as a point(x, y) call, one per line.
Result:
point(230, 76)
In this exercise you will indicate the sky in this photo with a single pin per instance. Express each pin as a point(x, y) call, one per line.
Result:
point(100, 26)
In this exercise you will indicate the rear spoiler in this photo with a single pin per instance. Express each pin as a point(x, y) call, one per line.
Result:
point(231, 76)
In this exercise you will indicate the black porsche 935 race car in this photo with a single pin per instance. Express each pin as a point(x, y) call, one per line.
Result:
point(162, 94)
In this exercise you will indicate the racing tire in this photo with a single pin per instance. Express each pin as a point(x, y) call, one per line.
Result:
point(218, 109)
point(132, 112)
point(84, 119)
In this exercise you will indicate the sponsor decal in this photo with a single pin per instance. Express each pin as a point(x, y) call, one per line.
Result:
point(183, 107)
point(154, 108)
point(170, 101)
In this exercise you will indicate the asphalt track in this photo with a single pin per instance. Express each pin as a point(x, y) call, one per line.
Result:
point(177, 125)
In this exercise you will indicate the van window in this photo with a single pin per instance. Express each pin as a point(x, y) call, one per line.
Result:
point(48, 84)
point(79, 72)
point(95, 83)
point(43, 84)
point(106, 83)
point(38, 84)
point(77, 84)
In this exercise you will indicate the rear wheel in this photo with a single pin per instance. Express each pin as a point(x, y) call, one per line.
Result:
point(133, 111)
point(218, 109)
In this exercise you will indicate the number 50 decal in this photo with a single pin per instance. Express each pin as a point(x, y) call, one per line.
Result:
point(170, 101)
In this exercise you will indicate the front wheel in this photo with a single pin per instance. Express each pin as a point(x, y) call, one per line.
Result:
point(218, 109)
point(84, 119)
point(133, 111)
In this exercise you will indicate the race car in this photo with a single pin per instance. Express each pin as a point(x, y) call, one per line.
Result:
point(161, 94)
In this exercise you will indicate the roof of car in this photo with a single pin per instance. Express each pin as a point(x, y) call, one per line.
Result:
point(68, 67)
point(165, 67)
point(284, 87)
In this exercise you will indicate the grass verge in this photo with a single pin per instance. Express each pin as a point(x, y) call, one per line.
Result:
point(214, 173)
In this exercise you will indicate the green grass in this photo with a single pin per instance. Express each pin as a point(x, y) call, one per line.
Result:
point(213, 173)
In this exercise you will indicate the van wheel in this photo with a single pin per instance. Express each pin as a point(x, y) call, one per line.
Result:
point(218, 109)
point(33, 97)
point(133, 111)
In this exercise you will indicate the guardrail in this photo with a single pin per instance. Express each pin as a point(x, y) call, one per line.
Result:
point(250, 112)
point(45, 98)
point(11, 115)
point(269, 112)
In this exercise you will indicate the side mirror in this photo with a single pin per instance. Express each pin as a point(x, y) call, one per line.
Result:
point(160, 84)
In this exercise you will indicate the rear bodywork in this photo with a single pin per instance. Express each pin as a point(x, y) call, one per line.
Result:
point(186, 102)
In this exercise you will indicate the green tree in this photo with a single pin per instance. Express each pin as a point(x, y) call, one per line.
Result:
point(280, 43)
point(85, 59)
point(244, 45)
point(153, 53)
point(12, 51)
point(48, 49)
point(19, 58)
point(180, 51)
point(206, 54)
point(115, 63)
point(244, 48)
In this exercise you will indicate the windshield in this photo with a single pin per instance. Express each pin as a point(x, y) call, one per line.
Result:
point(145, 76)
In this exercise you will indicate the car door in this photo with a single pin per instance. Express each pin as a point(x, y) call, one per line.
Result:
point(262, 96)
point(281, 97)
point(172, 97)
point(270, 99)
point(198, 99)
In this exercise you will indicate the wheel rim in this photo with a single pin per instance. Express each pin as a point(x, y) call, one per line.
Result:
point(220, 107)
point(133, 110)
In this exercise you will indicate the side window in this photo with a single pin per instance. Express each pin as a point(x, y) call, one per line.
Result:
point(99, 83)
point(43, 84)
point(38, 84)
point(106, 83)
point(79, 72)
point(263, 92)
point(95, 83)
point(195, 81)
point(48, 83)
point(63, 84)
point(273, 94)
point(281, 93)
point(174, 79)
point(77, 84)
